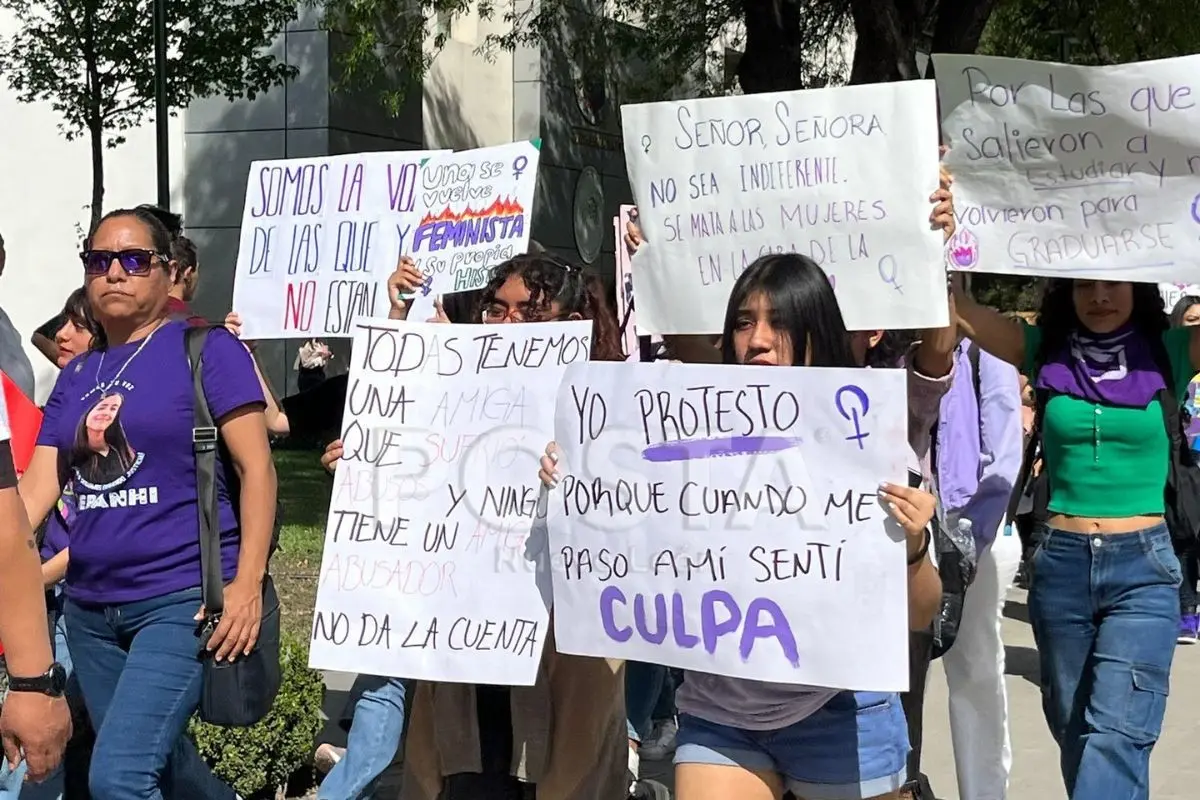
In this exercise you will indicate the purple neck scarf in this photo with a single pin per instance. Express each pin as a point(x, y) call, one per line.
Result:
point(1113, 369)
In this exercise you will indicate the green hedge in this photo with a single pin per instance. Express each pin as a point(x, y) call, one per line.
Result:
point(260, 759)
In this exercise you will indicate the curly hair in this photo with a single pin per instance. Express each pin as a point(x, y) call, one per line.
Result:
point(552, 281)
point(1058, 320)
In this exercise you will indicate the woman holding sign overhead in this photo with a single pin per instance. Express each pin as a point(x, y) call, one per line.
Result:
point(755, 740)
point(1103, 600)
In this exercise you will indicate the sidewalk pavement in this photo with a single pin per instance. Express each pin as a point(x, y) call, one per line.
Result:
point(1175, 768)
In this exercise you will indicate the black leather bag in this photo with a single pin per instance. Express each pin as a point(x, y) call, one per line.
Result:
point(241, 692)
point(1182, 495)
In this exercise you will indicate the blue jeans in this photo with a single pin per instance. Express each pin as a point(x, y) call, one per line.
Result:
point(1105, 614)
point(853, 747)
point(375, 735)
point(649, 696)
point(138, 668)
point(12, 783)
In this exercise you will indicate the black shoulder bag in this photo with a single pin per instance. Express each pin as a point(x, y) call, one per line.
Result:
point(241, 692)
point(956, 570)
point(1181, 499)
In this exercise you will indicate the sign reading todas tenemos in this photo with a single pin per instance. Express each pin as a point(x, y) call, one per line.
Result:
point(725, 519)
point(840, 175)
point(1080, 172)
point(319, 237)
point(436, 527)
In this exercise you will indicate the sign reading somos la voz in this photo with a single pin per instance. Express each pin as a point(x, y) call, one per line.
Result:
point(725, 519)
point(430, 566)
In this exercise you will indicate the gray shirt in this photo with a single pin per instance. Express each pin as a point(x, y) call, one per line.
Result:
point(749, 705)
point(13, 360)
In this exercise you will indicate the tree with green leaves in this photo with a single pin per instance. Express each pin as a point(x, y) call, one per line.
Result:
point(1085, 32)
point(93, 61)
point(782, 44)
point(1092, 32)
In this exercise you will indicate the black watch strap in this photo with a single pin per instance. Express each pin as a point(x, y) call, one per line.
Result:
point(52, 683)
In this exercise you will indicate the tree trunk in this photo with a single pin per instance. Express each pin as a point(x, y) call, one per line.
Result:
point(960, 25)
point(773, 60)
point(95, 119)
point(885, 46)
point(96, 137)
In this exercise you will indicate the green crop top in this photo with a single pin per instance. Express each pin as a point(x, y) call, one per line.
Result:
point(1104, 461)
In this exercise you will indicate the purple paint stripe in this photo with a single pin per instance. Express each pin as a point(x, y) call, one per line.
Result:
point(692, 449)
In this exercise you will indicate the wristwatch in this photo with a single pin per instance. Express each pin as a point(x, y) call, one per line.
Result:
point(52, 683)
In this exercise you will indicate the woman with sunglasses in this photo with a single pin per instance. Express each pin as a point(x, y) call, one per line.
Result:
point(133, 578)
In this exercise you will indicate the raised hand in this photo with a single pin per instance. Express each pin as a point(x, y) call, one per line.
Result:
point(405, 280)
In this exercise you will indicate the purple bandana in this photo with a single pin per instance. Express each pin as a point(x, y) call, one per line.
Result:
point(1112, 369)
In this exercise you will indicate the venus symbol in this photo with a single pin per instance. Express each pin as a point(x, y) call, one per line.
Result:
point(859, 405)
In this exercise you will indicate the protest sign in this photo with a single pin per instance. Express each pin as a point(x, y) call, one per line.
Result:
point(319, 238)
point(840, 175)
point(429, 568)
point(477, 207)
point(1079, 172)
point(725, 519)
point(624, 284)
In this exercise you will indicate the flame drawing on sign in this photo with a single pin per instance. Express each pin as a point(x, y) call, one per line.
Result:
point(500, 207)
point(964, 249)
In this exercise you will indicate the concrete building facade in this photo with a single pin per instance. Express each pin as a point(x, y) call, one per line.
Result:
point(467, 99)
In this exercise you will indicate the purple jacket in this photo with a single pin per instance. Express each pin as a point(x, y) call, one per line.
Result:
point(979, 444)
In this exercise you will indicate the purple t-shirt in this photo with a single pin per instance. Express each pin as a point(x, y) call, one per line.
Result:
point(122, 423)
point(56, 538)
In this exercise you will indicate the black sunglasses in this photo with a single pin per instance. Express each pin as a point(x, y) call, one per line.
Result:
point(134, 262)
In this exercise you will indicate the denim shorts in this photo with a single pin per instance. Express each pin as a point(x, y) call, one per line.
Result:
point(854, 747)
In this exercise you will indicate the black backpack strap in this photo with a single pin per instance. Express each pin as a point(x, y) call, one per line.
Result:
point(1167, 398)
point(1042, 397)
point(973, 357)
point(205, 441)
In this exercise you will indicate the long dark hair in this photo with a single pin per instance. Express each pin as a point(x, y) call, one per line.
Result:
point(804, 304)
point(1181, 308)
point(551, 280)
point(78, 311)
point(1057, 318)
point(94, 467)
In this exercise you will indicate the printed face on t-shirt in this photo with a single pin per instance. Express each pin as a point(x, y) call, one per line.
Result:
point(101, 418)
point(122, 420)
point(102, 454)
